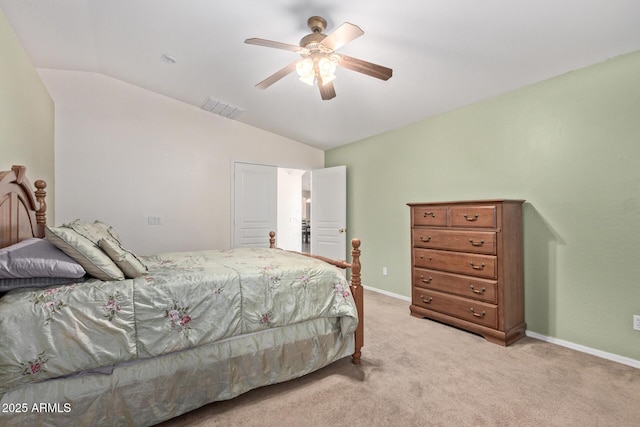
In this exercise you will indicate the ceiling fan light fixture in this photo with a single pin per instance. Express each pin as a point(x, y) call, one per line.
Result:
point(319, 62)
point(327, 67)
point(327, 79)
point(310, 79)
point(304, 67)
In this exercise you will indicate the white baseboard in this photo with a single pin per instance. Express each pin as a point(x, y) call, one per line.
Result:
point(584, 349)
point(387, 293)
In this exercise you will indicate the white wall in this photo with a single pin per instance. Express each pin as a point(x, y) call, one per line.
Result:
point(26, 114)
point(124, 153)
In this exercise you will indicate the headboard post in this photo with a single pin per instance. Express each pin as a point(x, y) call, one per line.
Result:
point(41, 213)
point(22, 210)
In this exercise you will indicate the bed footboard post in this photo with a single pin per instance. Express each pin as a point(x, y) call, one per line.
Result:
point(272, 240)
point(357, 292)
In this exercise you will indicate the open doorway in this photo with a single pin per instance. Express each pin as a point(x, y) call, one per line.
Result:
point(306, 212)
point(294, 209)
point(272, 198)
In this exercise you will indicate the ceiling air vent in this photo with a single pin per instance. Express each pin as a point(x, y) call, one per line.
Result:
point(220, 108)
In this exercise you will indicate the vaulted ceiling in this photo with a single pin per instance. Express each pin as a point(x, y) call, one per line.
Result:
point(444, 54)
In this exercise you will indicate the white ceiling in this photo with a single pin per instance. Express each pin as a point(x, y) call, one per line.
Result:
point(444, 54)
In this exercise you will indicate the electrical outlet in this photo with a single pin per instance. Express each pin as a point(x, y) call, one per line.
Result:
point(154, 220)
point(636, 322)
point(384, 271)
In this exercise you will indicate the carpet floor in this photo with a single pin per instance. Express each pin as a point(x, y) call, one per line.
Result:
point(416, 372)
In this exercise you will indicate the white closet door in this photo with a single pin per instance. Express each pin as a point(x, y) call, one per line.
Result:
point(255, 204)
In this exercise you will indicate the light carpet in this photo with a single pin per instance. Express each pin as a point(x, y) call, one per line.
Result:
point(417, 372)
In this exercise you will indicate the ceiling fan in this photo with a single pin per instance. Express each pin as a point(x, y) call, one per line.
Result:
point(319, 60)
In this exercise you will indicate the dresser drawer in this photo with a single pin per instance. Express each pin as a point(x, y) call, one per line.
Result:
point(482, 242)
point(473, 216)
point(469, 287)
point(462, 308)
point(456, 262)
point(435, 216)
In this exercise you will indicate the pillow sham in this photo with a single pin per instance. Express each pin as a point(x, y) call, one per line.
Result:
point(126, 260)
point(85, 252)
point(107, 231)
point(35, 257)
point(94, 231)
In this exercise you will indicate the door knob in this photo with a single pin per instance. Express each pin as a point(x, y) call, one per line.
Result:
point(342, 230)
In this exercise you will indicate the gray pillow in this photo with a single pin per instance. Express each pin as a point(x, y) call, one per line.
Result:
point(37, 258)
point(7, 285)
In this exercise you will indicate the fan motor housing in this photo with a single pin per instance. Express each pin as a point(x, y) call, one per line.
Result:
point(317, 24)
point(312, 39)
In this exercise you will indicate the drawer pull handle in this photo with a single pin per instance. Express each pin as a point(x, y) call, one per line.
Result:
point(422, 257)
point(426, 301)
point(478, 291)
point(431, 214)
point(480, 243)
point(428, 280)
point(477, 314)
point(477, 267)
point(471, 218)
point(428, 239)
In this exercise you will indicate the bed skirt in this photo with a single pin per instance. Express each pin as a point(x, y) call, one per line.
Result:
point(149, 391)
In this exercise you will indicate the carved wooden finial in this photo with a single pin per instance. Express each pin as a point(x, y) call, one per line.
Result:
point(355, 243)
point(41, 213)
point(357, 292)
point(272, 240)
point(355, 262)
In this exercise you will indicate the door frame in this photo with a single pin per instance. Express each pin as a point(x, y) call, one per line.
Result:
point(232, 189)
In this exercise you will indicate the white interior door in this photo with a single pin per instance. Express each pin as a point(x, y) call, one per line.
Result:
point(255, 204)
point(329, 212)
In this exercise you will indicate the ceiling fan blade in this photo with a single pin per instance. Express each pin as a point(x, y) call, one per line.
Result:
point(276, 45)
point(364, 67)
point(327, 91)
point(341, 36)
point(277, 76)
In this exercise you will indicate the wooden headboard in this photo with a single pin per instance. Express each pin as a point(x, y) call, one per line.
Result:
point(22, 211)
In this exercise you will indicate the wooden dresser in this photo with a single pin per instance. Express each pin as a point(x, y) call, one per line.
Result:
point(467, 266)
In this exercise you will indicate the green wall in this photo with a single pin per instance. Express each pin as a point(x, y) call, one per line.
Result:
point(26, 115)
point(570, 146)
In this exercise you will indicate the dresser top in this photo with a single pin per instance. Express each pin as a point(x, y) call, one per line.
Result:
point(468, 202)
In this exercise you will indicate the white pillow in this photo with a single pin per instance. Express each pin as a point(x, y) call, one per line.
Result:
point(37, 258)
point(93, 231)
point(85, 252)
point(126, 260)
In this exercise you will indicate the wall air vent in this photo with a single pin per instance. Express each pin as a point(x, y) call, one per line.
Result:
point(221, 109)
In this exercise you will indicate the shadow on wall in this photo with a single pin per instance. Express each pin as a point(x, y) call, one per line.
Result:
point(540, 272)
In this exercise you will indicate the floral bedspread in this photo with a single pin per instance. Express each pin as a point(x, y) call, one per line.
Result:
point(187, 300)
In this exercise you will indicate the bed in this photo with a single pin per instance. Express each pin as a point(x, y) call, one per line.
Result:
point(160, 335)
